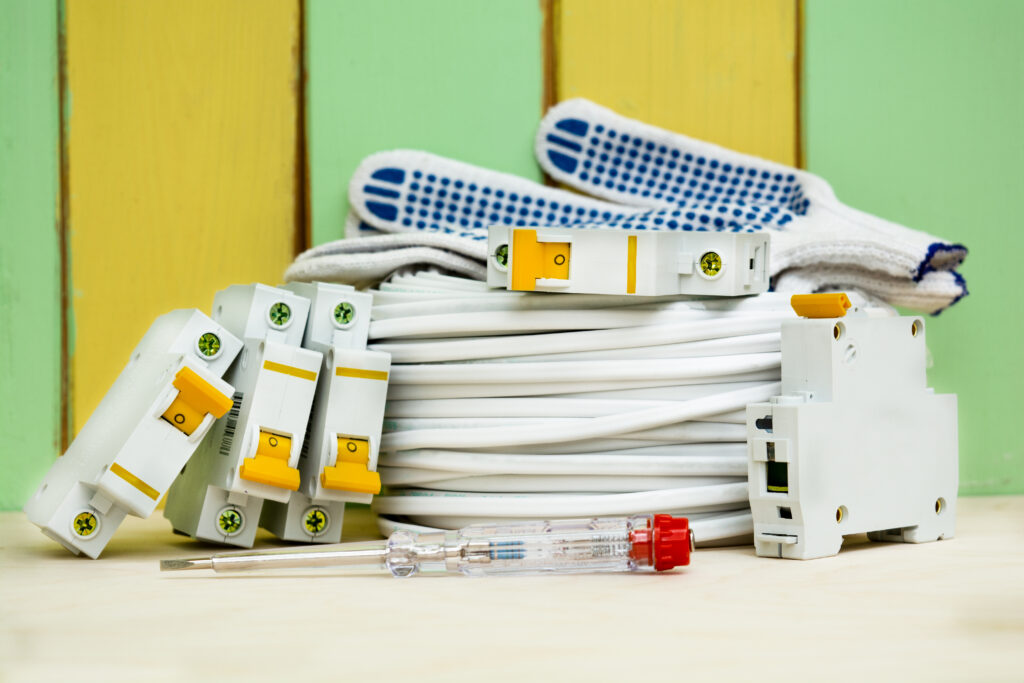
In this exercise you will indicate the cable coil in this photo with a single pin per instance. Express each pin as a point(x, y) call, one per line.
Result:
point(507, 405)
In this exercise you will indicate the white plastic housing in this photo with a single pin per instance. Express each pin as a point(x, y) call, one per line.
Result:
point(275, 382)
point(126, 455)
point(865, 445)
point(644, 263)
point(349, 402)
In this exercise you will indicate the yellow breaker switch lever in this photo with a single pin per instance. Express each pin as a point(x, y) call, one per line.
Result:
point(532, 260)
point(270, 464)
point(351, 472)
point(828, 305)
point(196, 397)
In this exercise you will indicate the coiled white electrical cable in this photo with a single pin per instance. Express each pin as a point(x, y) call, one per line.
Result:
point(725, 459)
point(507, 405)
point(510, 408)
point(501, 346)
point(576, 430)
point(408, 392)
point(540, 505)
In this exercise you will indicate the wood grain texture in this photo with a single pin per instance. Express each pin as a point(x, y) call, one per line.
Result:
point(721, 71)
point(951, 610)
point(182, 178)
point(30, 244)
point(917, 118)
point(460, 78)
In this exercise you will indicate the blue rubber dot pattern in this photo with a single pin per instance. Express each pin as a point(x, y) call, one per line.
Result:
point(430, 202)
point(674, 175)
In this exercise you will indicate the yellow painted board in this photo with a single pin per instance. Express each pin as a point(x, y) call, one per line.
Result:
point(181, 128)
point(723, 71)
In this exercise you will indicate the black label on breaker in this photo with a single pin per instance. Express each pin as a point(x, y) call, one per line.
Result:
point(231, 423)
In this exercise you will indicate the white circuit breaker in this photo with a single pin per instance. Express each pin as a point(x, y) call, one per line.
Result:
point(253, 455)
point(644, 263)
point(142, 433)
point(339, 459)
point(857, 442)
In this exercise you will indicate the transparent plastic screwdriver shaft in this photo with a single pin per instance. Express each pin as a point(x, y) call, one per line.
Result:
point(617, 544)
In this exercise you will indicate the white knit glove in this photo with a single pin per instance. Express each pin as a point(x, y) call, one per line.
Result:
point(647, 179)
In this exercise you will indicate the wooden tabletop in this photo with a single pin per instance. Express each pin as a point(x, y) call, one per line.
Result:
point(952, 610)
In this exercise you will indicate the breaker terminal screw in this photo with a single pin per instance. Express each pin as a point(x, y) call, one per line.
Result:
point(710, 264)
point(315, 521)
point(208, 344)
point(344, 313)
point(280, 313)
point(85, 524)
point(229, 521)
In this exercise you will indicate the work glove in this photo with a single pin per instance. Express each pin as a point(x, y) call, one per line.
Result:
point(437, 210)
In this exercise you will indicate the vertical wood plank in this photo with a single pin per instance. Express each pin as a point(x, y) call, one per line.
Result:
point(181, 154)
point(721, 71)
point(30, 262)
point(918, 118)
point(461, 78)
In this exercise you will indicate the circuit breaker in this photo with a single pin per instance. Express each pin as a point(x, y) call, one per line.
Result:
point(644, 263)
point(856, 442)
point(253, 455)
point(145, 429)
point(339, 460)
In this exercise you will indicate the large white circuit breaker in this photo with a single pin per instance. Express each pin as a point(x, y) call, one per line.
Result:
point(253, 454)
point(339, 459)
point(624, 262)
point(145, 429)
point(856, 442)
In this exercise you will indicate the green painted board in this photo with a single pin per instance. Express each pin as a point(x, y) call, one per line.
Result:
point(30, 281)
point(914, 111)
point(460, 78)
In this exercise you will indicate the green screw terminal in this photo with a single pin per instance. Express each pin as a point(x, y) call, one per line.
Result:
point(85, 524)
point(710, 264)
point(344, 313)
point(208, 344)
point(230, 521)
point(315, 521)
point(280, 313)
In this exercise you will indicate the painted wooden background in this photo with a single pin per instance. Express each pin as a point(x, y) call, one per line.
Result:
point(918, 117)
point(30, 247)
point(196, 156)
point(722, 71)
point(181, 134)
point(460, 78)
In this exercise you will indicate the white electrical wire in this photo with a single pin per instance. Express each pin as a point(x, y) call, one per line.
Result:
point(576, 430)
point(727, 459)
point(514, 483)
point(508, 408)
point(545, 505)
point(510, 405)
point(500, 346)
point(407, 392)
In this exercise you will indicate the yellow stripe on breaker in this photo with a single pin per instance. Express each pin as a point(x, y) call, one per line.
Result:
point(360, 373)
point(289, 370)
point(135, 481)
point(631, 265)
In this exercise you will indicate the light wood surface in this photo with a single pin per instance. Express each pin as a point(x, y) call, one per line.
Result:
point(952, 610)
point(721, 71)
point(181, 123)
